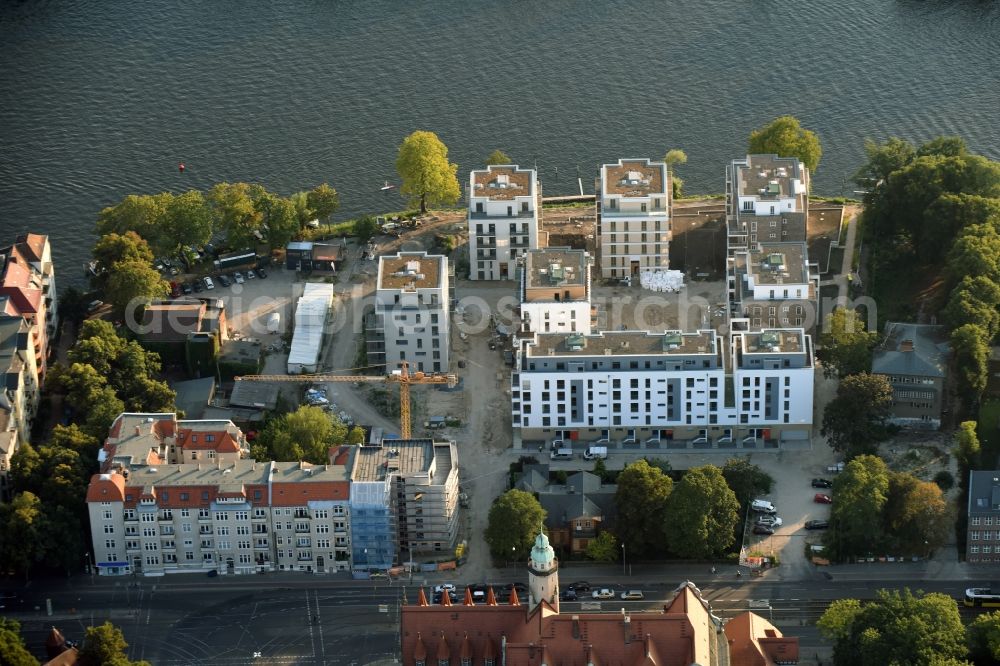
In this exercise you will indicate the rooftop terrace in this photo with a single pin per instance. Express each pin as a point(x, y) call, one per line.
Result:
point(635, 178)
point(410, 271)
point(769, 176)
point(622, 343)
point(778, 263)
point(395, 456)
point(502, 183)
point(556, 266)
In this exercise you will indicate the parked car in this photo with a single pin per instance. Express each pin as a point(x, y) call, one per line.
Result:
point(817, 524)
point(763, 506)
point(198, 286)
point(580, 586)
point(238, 277)
point(186, 288)
point(94, 306)
point(208, 283)
point(452, 596)
point(632, 595)
point(769, 521)
point(261, 274)
point(444, 586)
point(505, 590)
point(762, 529)
point(251, 275)
point(822, 483)
point(224, 281)
point(568, 595)
point(603, 593)
point(175, 289)
point(821, 498)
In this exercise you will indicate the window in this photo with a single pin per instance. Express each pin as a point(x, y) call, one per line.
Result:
point(109, 529)
point(110, 543)
point(107, 514)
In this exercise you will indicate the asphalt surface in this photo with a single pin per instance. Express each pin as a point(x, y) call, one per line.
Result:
point(293, 619)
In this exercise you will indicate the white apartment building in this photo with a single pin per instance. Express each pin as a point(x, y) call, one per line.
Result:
point(633, 217)
point(670, 390)
point(237, 518)
point(18, 393)
point(504, 203)
point(412, 305)
point(555, 291)
point(773, 285)
point(767, 200)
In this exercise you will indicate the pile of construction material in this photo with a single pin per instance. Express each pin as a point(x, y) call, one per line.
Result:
point(668, 281)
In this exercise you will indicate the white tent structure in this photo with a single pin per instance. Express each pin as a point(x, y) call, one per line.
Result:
point(311, 313)
point(669, 281)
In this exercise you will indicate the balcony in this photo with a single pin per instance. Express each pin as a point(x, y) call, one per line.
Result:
point(261, 546)
point(302, 513)
point(301, 529)
point(204, 519)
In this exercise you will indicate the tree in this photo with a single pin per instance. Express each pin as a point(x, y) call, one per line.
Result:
point(674, 157)
point(12, 649)
point(187, 221)
point(234, 212)
point(703, 513)
point(883, 160)
point(498, 157)
point(854, 422)
point(975, 301)
point(25, 468)
point(785, 137)
point(365, 227)
point(305, 434)
point(846, 347)
point(356, 437)
point(132, 285)
point(104, 407)
point(324, 200)
point(21, 524)
point(641, 500)
point(428, 176)
point(140, 213)
point(948, 146)
point(895, 628)
point(62, 532)
point(916, 517)
point(856, 523)
point(73, 438)
point(971, 351)
point(105, 645)
point(984, 638)
point(967, 448)
point(514, 521)
point(976, 252)
point(604, 548)
point(950, 214)
point(114, 248)
point(746, 480)
point(282, 220)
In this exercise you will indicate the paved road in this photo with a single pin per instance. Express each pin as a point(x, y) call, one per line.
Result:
point(312, 620)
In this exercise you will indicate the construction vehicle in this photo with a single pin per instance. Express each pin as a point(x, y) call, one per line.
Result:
point(402, 376)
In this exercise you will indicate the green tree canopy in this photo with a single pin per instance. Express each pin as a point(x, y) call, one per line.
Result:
point(967, 447)
point(305, 434)
point(104, 645)
point(187, 220)
point(641, 500)
point(949, 215)
point(861, 492)
point(946, 146)
point(356, 437)
point(883, 160)
point(132, 285)
point(854, 422)
point(975, 301)
point(12, 649)
point(604, 548)
point(916, 518)
point(428, 176)
point(115, 248)
point(746, 480)
point(971, 352)
point(702, 512)
point(324, 201)
point(895, 628)
point(498, 157)
point(984, 638)
point(22, 526)
point(674, 157)
point(140, 213)
point(365, 227)
point(514, 521)
point(785, 137)
point(234, 212)
point(845, 346)
point(976, 252)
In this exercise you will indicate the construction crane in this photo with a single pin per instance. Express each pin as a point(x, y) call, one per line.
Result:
point(403, 377)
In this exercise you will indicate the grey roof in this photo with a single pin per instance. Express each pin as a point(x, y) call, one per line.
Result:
point(194, 395)
point(534, 478)
point(928, 358)
point(984, 491)
point(254, 395)
point(582, 495)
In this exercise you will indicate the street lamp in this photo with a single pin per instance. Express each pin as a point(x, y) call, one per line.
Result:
point(623, 560)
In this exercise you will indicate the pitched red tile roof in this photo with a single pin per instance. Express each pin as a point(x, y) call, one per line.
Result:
point(756, 642)
point(190, 439)
point(106, 488)
point(32, 245)
point(298, 493)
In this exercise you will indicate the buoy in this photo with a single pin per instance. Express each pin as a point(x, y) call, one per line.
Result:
point(180, 167)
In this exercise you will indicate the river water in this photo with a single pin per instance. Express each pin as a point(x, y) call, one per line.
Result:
point(103, 98)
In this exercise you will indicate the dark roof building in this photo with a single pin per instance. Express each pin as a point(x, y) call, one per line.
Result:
point(982, 545)
point(914, 358)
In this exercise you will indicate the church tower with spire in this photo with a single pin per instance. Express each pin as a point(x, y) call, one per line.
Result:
point(543, 574)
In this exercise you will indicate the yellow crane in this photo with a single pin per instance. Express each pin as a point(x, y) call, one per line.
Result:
point(403, 377)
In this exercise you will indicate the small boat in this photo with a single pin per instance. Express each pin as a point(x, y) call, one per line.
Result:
point(388, 186)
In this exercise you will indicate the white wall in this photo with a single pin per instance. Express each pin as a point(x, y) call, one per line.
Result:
point(561, 317)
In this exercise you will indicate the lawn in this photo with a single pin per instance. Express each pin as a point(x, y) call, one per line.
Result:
point(988, 430)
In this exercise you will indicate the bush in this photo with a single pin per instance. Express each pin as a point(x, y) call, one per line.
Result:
point(944, 480)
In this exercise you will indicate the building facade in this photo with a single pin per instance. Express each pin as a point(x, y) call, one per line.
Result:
point(633, 217)
point(645, 390)
point(555, 291)
point(982, 543)
point(914, 358)
point(767, 200)
point(411, 317)
point(772, 285)
point(28, 285)
point(504, 204)
point(404, 501)
point(19, 393)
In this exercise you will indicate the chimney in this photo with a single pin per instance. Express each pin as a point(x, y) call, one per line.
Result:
point(906, 346)
point(138, 431)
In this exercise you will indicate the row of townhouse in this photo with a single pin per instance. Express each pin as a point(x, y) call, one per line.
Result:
point(181, 495)
point(666, 389)
point(28, 321)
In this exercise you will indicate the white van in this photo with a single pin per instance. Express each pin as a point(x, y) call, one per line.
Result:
point(562, 454)
point(274, 322)
point(762, 506)
point(596, 453)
